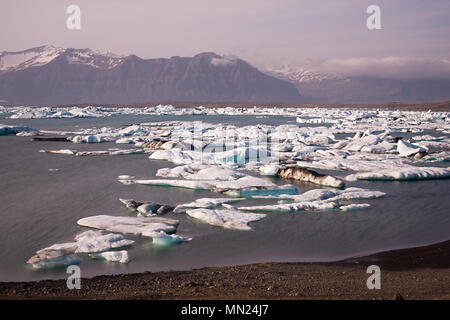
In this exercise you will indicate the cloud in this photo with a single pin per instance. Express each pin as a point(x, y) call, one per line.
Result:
point(388, 67)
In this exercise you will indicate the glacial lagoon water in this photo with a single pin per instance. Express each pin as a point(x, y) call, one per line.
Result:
point(40, 207)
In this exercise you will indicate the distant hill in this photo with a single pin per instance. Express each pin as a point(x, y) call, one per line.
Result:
point(48, 76)
point(323, 88)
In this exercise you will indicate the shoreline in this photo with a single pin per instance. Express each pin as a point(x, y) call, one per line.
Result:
point(404, 106)
point(414, 273)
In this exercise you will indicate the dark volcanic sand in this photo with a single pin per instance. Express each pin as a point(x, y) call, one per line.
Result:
point(418, 273)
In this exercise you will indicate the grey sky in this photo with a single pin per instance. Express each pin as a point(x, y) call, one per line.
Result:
point(297, 32)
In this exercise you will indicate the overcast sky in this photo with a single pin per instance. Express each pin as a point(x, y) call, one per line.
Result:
point(327, 35)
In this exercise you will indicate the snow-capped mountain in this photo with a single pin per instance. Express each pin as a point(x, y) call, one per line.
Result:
point(49, 75)
point(39, 56)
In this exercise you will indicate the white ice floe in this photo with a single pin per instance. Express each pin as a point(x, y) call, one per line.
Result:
point(113, 256)
point(230, 219)
point(204, 203)
point(87, 139)
point(145, 226)
point(94, 241)
point(330, 195)
point(406, 149)
point(354, 206)
point(402, 174)
point(293, 207)
point(86, 242)
point(188, 184)
point(61, 151)
point(6, 130)
point(286, 189)
point(269, 169)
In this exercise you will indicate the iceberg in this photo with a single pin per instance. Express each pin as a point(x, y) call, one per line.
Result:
point(113, 256)
point(164, 239)
point(94, 241)
point(302, 174)
point(269, 170)
point(204, 203)
point(402, 174)
point(230, 219)
point(6, 130)
point(86, 139)
point(86, 242)
point(355, 206)
point(293, 207)
point(145, 226)
point(406, 149)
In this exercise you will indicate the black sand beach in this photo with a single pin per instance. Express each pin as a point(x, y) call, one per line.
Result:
point(417, 273)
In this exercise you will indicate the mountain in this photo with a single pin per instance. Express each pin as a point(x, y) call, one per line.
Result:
point(323, 88)
point(48, 76)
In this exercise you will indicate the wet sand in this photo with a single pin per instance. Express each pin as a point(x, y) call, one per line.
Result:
point(417, 273)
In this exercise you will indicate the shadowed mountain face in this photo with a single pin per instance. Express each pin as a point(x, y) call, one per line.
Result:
point(68, 76)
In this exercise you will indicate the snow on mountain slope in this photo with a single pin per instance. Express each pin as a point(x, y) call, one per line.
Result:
point(296, 75)
point(39, 56)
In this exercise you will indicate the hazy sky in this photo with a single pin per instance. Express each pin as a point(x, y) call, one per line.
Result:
point(328, 35)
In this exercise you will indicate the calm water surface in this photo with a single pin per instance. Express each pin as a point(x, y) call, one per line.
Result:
point(39, 207)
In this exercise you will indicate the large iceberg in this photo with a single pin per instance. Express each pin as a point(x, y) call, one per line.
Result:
point(146, 226)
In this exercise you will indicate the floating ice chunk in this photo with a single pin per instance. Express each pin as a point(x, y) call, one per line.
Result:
point(134, 225)
point(215, 173)
point(61, 261)
point(113, 256)
point(94, 241)
point(302, 174)
point(174, 155)
point(357, 193)
point(242, 155)
point(181, 171)
point(358, 144)
point(401, 174)
point(244, 183)
point(315, 194)
point(381, 147)
point(204, 203)
point(189, 184)
point(6, 130)
point(406, 149)
point(293, 207)
point(231, 219)
point(125, 141)
point(354, 206)
point(287, 189)
point(428, 137)
point(62, 151)
point(148, 209)
point(54, 254)
point(320, 139)
point(163, 239)
point(86, 139)
point(269, 169)
point(125, 177)
point(86, 242)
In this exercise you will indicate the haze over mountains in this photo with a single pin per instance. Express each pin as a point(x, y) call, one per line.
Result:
point(49, 75)
point(325, 88)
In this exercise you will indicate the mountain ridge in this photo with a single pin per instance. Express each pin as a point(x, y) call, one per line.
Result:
point(48, 75)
